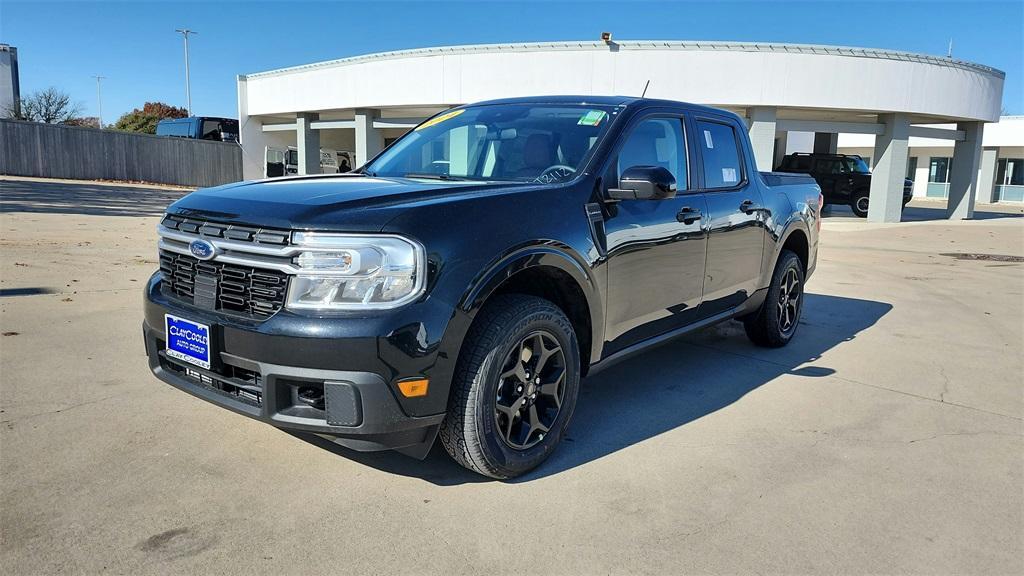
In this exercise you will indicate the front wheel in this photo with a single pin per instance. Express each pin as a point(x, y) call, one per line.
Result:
point(776, 321)
point(514, 388)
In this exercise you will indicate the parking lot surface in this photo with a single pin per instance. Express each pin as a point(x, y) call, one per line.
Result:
point(886, 438)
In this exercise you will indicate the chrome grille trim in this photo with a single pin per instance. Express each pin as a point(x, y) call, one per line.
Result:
point(255, 254)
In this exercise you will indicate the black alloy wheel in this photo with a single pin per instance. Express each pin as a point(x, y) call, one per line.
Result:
point(529, 393)
point(778, 317)
point(514, 388)
point(790, 299)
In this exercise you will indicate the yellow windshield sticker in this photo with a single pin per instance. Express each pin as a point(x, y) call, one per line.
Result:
point(439, 119)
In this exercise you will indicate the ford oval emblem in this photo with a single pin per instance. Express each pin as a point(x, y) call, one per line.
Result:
point(202, 249)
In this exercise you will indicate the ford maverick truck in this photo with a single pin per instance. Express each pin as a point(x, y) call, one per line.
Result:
point(460, 284)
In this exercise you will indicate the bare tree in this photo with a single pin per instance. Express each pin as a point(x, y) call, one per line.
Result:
point(50, 106)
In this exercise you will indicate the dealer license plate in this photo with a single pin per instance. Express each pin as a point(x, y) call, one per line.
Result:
point(188, 341)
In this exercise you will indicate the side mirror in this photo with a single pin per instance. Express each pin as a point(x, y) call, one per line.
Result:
point(644, 183)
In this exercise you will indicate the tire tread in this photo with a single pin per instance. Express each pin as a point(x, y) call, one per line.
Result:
point(504, 315)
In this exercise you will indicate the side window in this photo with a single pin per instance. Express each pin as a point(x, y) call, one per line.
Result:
point(720, 155)
point(211, 130)
point(656, 142)
point(828, 166)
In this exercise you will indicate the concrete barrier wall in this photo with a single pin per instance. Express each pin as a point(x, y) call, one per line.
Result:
point(56, 151)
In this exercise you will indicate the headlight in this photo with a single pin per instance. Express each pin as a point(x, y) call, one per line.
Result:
point(355, 272)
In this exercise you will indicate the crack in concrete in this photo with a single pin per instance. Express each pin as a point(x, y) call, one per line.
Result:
point(913, 441)
point(945, 385)
point(63, 409)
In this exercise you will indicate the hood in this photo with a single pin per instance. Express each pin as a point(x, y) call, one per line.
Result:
point(353, 202)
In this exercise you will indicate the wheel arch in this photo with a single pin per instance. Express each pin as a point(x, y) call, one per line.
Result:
point(795, 236)
point(796, 241)
point(552, 272)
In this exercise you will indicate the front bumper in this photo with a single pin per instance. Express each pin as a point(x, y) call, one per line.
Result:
point(359, 407)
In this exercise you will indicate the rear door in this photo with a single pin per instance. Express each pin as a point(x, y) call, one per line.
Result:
point(655, 247)
point(828, 172)
point(736, 215)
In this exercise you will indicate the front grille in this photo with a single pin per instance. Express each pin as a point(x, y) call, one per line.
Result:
point(230, 288)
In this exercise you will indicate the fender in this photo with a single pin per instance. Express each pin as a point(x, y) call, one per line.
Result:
point(547, 253)
point(797, 221)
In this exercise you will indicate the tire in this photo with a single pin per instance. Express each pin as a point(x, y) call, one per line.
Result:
point(489, 427)
point(859, 204)
point(778, 318)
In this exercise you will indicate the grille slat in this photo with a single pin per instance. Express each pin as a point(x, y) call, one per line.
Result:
point(225, 287)
point(234, 289)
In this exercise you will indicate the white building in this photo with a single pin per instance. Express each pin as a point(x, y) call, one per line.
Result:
point(1000, 173)
point(359, 103)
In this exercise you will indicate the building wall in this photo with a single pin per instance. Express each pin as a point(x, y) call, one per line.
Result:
point(727, 74)
point(799, 82)
point(1005, 136)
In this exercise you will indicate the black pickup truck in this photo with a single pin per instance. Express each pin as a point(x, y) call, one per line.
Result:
point(461, 283)
point(844, 178)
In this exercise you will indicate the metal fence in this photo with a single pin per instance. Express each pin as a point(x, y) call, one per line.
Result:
point(57, 151)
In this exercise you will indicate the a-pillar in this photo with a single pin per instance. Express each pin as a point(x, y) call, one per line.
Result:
point(963, 178)
point(885, 203)
point(369, 140)
point(308, 143)
point(762, 136)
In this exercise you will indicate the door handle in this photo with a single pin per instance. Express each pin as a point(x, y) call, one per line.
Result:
point(688, 215)
point(748, 207)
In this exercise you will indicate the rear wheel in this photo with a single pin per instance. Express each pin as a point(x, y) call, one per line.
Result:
point(514, 389)
point(860, 203)
point(776, 321)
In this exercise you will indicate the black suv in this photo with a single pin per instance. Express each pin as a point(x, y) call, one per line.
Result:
point(462, 282)
point(844, 179)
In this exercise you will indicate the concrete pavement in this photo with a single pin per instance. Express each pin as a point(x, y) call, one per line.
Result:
point(887, 438)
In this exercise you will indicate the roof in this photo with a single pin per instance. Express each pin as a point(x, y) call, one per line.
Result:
point(564, 99)
point(822, 50)
point(597, 100)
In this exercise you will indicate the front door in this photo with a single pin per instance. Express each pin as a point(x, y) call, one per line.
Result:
point(655, 247)
point(736, 217)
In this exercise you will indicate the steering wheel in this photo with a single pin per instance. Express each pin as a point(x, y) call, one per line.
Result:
point(555, 172)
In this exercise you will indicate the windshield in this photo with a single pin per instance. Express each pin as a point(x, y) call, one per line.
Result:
point(509, 142)
point(856, 165)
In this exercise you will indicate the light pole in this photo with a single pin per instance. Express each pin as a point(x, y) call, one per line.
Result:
point(188, 88)
point(99, 101)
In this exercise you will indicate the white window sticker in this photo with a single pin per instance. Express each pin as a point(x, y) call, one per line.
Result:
point(728, 174)
point(707, 139)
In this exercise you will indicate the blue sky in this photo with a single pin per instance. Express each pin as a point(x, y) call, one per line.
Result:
point(134, 45)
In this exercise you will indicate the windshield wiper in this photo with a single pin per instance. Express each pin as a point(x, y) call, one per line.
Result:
point(428, 176)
